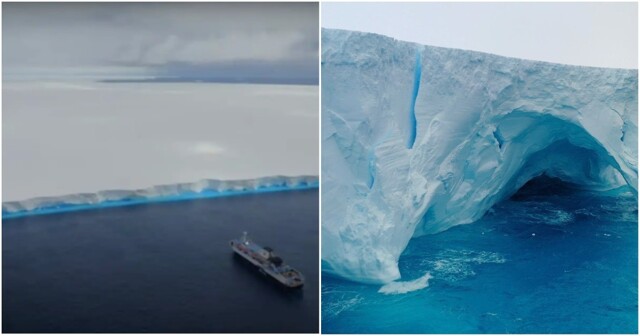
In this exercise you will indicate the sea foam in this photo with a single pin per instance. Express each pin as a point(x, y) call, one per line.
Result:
point(402, 287)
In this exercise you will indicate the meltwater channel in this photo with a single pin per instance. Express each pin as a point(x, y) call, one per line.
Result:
point(161, 267)
point(551, 259)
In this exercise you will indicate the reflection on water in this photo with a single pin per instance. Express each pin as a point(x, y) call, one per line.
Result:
point(265, 281)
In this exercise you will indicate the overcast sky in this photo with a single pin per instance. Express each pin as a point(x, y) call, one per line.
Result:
point(593, 34)
point(161, 39)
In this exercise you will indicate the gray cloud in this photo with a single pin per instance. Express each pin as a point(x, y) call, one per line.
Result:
point(146, 37)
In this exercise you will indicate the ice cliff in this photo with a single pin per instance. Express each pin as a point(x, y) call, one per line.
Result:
point(161, 193)
point(417, 139)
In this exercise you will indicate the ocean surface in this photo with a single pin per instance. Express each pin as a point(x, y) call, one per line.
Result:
point(164, 267)
point(552, 259)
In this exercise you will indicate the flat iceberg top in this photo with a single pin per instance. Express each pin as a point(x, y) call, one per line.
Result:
point(81, 136)
point(417, 139)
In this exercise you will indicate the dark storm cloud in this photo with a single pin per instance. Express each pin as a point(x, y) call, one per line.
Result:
point(156, 37)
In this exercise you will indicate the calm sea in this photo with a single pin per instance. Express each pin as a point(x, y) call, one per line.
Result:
point(161, 268)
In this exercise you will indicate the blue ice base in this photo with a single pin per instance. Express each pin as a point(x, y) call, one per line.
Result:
point(207, 193)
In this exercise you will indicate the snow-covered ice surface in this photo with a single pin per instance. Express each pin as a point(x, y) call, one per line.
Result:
point(65, 138)
point(417, 139)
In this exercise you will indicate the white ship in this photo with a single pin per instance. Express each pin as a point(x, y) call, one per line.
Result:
point(267, 261)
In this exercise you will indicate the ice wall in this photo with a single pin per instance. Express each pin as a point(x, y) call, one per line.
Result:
point(417, 139)
point(161, 193)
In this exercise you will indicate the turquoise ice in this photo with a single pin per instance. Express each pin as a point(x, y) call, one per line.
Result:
point(419, 139)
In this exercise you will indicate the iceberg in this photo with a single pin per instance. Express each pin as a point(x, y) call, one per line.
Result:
point(162, 193)
point(417, 139)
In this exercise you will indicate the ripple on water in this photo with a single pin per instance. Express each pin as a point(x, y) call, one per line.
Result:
point(541, 264)
point(338, 301)
point(454, 265)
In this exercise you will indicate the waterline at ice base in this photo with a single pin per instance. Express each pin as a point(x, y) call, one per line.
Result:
point(537, 160)
point(208, 188)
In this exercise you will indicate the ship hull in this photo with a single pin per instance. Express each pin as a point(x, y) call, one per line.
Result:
point(263, 269)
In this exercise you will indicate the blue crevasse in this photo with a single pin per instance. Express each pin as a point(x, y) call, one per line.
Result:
point(487, 126)
point(414, 95)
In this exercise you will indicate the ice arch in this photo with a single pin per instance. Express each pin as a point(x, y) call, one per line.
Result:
point(417, 139)
point(526, 145)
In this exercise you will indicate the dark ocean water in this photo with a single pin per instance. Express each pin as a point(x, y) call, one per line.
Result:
point(551, 259)
point(161, 267)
